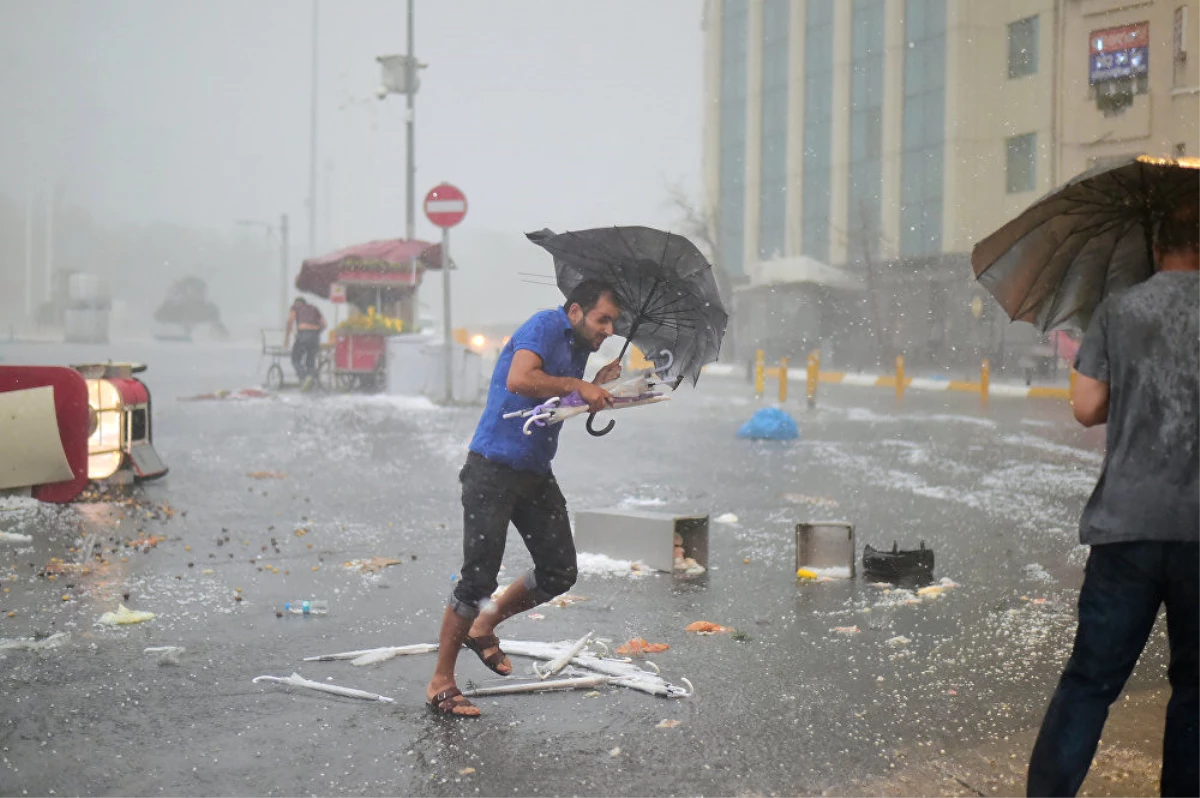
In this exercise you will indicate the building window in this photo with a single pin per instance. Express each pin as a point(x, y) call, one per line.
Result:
point(772, 200)
point(1022, 163)
point(818, 128)
point(866, 125)
point(731, 201)
point(1023, 47)
point(923, 132)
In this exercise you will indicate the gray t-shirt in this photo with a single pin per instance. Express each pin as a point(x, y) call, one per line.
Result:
point(1145, 343)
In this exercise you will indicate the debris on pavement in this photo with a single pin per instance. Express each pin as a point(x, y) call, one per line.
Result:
point(373, 564)
point(244, 393)
point(35, 643)
point(267, 474)
point(812, 501)
point(898, 641)
point(296, 680)
point(15, 537)
point(167, 655)
point(639, 647)
point(726, 518)
point(124, 615)
point(831, 573)
point(368, 656)
point(668, 723)
point(563, 659)
point(539, 686)
point(564, 600)
point(707, 628)
point(845, 630)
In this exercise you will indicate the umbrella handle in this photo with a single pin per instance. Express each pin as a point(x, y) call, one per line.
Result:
point(539, 419)
point(612, 422)
point(670, 360)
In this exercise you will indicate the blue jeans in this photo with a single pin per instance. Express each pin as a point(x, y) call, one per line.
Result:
point(1123, 587)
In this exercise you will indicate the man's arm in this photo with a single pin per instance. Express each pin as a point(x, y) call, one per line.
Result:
point(527, 378)
point(1089, 400)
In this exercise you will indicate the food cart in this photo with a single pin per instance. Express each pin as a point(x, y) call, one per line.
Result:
point(378, 283)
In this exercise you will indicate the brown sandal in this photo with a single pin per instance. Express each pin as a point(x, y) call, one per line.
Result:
point(445, 702)
point(481, 644)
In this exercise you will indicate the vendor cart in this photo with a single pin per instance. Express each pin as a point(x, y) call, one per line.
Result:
point(378, 283)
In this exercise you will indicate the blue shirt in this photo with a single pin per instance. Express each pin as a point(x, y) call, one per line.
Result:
point(549, 335)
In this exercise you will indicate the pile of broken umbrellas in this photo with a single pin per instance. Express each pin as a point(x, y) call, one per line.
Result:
point(586, 663)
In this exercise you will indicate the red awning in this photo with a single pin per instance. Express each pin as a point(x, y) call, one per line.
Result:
point(387, 258)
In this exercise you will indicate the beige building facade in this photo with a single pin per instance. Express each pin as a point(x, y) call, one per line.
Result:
point(875, 135)
point(822, 114)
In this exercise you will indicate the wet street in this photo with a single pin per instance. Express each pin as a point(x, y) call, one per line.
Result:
point(283, 498)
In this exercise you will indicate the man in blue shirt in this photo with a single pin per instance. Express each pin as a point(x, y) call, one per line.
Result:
point(507, 478)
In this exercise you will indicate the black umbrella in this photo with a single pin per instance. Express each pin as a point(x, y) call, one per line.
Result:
point(666, 289)
point(1054, 264)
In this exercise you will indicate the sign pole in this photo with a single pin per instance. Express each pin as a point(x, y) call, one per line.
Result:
point(446, 206)
point(449, 367)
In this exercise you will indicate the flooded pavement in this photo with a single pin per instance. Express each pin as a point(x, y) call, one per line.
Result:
point(824, 684)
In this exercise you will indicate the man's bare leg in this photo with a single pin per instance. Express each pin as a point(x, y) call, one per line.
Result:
point(516, 598)
point(450, 640)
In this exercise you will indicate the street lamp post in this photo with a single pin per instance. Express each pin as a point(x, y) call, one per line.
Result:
point(400, 76)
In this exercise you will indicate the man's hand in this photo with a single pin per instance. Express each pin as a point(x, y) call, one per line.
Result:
point(597, 398)
point(608, 373)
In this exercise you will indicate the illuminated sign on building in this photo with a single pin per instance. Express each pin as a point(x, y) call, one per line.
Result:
point(1119, 52)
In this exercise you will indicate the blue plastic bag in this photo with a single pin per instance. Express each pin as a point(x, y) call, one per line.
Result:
point(770, 423)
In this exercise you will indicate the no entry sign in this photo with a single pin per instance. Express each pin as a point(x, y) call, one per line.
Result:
point(445, 205)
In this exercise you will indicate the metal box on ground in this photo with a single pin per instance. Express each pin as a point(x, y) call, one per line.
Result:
point(644, 536)
point(825, 544)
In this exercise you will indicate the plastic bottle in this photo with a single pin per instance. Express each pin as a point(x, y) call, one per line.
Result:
point(307, 607)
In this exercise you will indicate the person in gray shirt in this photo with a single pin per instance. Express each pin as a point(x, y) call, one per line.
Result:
point(1139, 372)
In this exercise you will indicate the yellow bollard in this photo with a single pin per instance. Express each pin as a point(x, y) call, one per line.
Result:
point(814, 376)
point(758, 373)
point(899, 377)
point(783, 379)
point(985, 377)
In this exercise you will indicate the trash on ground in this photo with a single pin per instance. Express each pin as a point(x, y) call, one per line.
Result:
point(267, 474)
point(16, 537)
point(845, 630)
point(707, 628)
point(913, 566)
point(830, 573)
point(668, 723)
point(535, 616)
point(372, 564)
point(563, 659)
point(623, 673)
point(689, 566)
point(814, 501)
point(572, 683)
point(466, 771)
point(376, 654)
point(639, 647)
point(930, 591)
point(769, 423)
point(167, 655)
point(564, 600)
point(35, 643)
point(244, 393)
point(124, 615)
point(296, 680)
point(898, 641)
point(726, 518)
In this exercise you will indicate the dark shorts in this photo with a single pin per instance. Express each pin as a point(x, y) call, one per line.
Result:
point(493, 496)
